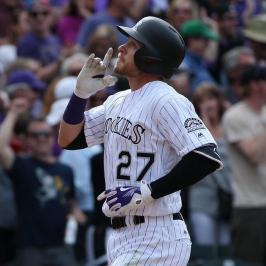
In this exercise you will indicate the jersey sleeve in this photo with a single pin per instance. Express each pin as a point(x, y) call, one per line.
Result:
point(182, 127)
point(94, 125)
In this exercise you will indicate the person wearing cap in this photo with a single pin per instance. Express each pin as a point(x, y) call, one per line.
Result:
point(28, 77)
point(255, 33)
point(197, 36)
point(244, 126)
point(24, 83)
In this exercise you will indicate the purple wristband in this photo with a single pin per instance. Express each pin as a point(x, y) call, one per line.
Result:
point(74, 112)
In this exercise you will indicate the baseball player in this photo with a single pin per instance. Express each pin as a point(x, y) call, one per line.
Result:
point(154, 144)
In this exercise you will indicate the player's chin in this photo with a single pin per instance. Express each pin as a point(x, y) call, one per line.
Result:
point(118, 69)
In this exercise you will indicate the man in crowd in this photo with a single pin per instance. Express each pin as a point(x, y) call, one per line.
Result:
point(43, 190)
point(245, 130)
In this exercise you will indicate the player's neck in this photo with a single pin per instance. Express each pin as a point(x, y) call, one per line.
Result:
point(136, 83)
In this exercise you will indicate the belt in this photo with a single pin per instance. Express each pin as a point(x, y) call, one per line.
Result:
point(119, 222)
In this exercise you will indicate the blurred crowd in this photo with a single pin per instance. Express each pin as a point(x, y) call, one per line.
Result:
point(48, 209)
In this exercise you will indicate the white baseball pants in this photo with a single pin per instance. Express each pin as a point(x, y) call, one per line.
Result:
point(159, 241)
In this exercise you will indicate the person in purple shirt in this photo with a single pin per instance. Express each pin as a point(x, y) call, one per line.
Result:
point(117, 12)
point(69, 24)
point(246, 9)
point(39, 43)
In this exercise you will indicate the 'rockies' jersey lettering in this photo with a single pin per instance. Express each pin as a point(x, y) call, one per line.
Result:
point(124, 128)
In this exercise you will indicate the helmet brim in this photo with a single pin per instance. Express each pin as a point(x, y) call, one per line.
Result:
point(131, 32)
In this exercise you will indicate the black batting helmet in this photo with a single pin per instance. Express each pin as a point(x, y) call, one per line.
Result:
point(163, 47)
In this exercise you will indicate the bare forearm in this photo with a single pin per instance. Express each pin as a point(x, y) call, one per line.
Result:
point(6, 129)
point(254, 149)
point(68, 132)
point(18, 106)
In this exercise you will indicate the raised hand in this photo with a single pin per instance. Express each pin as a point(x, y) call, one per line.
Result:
point(92, 76)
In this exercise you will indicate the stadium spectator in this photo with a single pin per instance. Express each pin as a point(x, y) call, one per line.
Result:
point(44, 192)
point(229, 35)
point(7, 221)
point(180, 80)
point(39, 43)
point(246, 9)
point(24, 83)
point(234, 61)
point(116, 13)
point(180, 11)
point(197, 35)
point(255, 32)
point(103, 37)
point(69, 24)
point(210, 216)
point(245, 130)
point(7, 9)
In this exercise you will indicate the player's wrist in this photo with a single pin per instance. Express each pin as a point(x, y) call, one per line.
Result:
point(74, 112)
point(83, 94)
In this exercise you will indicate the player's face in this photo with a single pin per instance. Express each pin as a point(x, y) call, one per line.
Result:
point(125, 65)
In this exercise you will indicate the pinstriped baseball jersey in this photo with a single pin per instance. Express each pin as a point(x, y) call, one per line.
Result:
point(145, 134)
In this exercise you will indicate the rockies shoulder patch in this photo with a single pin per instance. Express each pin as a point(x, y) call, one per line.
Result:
point(192, 124)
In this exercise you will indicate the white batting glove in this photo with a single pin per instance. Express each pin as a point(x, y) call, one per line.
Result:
point(92, 76)
point(125, 198)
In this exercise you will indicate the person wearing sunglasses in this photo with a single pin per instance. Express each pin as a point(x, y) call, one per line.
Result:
point(44, 192)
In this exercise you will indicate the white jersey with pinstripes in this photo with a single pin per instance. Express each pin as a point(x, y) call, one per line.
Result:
point(145, 134)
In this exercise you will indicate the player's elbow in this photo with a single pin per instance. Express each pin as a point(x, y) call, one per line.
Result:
point(68, 133)
point(63, 141)
point(64, 138)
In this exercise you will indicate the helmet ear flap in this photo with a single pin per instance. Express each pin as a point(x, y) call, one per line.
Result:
point(153, 64)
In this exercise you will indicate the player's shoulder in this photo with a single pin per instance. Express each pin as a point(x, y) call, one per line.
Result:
point(167, 93)
point(119, 95)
